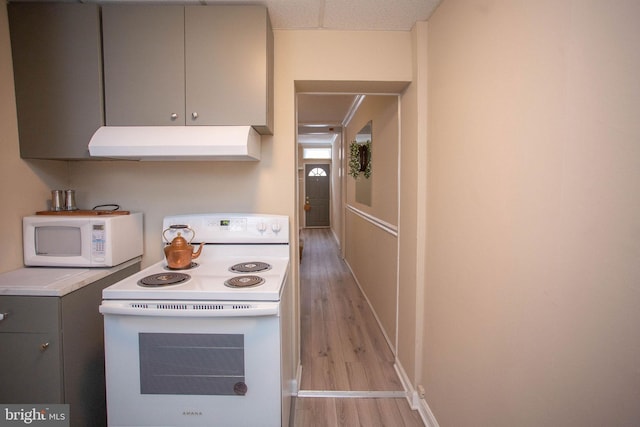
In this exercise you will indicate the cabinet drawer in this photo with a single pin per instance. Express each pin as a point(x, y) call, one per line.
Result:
point(29, 314)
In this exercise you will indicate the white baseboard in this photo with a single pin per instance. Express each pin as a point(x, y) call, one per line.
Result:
point(413, 398)
point(353, 394)
point(295, 386)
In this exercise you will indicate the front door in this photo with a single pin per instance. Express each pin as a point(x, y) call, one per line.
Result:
point(317, 195)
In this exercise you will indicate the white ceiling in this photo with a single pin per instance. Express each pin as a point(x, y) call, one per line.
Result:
point(349, 14)
point(392, 15)
point(321, 117)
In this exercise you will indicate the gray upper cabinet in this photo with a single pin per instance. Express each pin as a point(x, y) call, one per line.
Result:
point(188, 65)
point(57, 64)
point(143, 65)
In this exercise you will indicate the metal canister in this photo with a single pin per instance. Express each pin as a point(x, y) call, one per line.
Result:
point(57, 200)
point(70, 200)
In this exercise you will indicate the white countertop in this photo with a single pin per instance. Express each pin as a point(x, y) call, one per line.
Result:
point(57, 282)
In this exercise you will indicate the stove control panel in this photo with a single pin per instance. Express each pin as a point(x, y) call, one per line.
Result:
point(234, 228)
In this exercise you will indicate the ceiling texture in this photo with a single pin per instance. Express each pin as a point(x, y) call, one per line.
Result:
point(321, 117)
point(383, 15)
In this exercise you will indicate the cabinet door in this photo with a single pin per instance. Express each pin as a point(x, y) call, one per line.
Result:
point(32, 369)
point(143, 64)
point(57, 62)
point(228, 63)
point(30, 350)
point(83, 345)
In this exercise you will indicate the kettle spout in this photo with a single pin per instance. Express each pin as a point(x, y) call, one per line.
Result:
point(196, 254)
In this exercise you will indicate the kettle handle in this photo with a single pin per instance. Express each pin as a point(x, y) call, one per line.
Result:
point(178, 227)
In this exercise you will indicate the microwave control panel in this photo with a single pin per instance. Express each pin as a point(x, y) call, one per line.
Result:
point(97, 242)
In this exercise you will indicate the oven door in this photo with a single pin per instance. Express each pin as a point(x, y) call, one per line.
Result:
point(192, 363)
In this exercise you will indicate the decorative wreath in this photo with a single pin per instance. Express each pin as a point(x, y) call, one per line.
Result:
point(360, 159)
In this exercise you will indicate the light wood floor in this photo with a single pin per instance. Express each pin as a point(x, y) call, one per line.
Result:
point(348, 378)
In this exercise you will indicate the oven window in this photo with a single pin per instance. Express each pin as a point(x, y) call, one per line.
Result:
point(197, 364)
point(58, 241)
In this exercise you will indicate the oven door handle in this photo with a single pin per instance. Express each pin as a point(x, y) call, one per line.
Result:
point(197, 310)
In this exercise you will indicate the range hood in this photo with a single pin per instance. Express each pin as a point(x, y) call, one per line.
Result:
point(176, 143)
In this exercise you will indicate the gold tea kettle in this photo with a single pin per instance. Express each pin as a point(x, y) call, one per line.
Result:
point(179, 252)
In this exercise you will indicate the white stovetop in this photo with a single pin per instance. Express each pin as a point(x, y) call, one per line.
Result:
point(47, 281)
point(207, 279)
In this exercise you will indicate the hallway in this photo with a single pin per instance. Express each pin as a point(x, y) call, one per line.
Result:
point(348, 377)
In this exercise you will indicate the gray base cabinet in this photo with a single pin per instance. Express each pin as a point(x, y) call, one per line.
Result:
point(168, 65)
point(57, 63)
point(52, 350)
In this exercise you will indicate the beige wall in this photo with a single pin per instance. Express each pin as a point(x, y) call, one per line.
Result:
point(532, 294)
point(411, 220)
point(370, 251)
point(382, 110)
point(372, 255)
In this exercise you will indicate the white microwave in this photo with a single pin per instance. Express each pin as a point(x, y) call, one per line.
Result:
point(81, 241)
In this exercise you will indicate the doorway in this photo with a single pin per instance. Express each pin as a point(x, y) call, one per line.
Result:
point(356, 228)
point(317, 195)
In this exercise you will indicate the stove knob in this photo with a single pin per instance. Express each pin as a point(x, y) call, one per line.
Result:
point(262, 227)
point(240, 388)
point(275, 227)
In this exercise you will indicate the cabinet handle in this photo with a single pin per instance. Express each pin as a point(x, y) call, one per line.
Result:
point(194, 115)
point(44, 346)
point(174, 116)
point(4, 316)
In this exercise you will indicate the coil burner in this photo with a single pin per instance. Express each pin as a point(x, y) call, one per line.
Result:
point(250, 267)
point(189, 267)
point(244, 281)
point(163, 279)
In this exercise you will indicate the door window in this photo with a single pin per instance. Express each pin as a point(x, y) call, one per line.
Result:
point(317, 172)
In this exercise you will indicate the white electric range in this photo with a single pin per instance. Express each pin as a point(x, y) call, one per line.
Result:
point(199, 346)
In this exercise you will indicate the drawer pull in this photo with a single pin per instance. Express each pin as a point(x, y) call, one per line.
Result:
point(44, 346)
point(3, 316)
